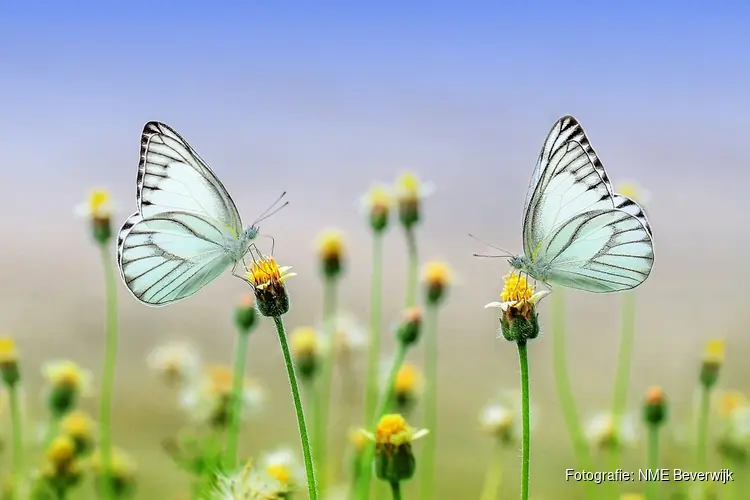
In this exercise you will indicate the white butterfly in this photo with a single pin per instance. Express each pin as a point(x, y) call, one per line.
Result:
point(577, 232)
point(187, 230)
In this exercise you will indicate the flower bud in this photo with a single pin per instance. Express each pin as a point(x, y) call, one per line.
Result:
point(410, 328)
point(655, 407)
point(245, 316)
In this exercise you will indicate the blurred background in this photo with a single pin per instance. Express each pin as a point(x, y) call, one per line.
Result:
point(322, 100)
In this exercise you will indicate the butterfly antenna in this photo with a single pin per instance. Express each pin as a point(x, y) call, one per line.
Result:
point(488, 256)
point(506, 253)
point(271, 210)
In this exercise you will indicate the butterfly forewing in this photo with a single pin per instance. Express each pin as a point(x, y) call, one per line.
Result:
point(171, 176)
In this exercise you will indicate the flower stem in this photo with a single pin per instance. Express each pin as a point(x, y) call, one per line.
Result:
point(373, 355)
point(396, 490)
point(625, 357)
point(108, 372)
point(430, 403)
point(312, 483)
point(17, 437)
point(652, 488)
point(564, 391)
point(523, 358)
point(235, 416)
point(320, 439)
point(702, 441)
point(363, 490)
point(412, 275)
point(493, 479)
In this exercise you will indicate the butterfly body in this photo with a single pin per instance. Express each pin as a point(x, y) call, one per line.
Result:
point(577, 232)
point(187, 230)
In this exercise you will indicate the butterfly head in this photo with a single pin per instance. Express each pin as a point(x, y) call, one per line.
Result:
point(517, 262)
point(251, 232)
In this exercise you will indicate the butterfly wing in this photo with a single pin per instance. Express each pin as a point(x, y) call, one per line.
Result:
point(171, 255)
point(172, 177)
point(586, 235)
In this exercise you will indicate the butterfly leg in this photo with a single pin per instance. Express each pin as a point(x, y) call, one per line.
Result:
point(273, 241)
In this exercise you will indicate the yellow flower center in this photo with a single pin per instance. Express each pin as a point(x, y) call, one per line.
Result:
point(379, 199)
point(408, 186)
point(516, 288)
point(304, 341)
point(392, 429)
point(66, 374)
point(655, 396)
point(406, 379)
point(99, 203)
point(714, 352)
point(279, 472)
point(76, 424)
point(61, 450)
point(437, 273)
point(265, 272)
point(7, 350)
point(730, 402)
point(331, 244)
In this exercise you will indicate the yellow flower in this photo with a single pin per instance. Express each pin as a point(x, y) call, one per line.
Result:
point(392, 430)
point(379, 199)
point(330, 244)
point(408, 381)
point(714, 352)
point(283, 465)
point(304, 341)
point(65, 374)
point(177, 363)
point(437, 276)
point(410, 189)
point(731, 401)
point(61, 452)
point(123, 470)
point(8, 352)
point(98, 207)
point(250, 484)
point(267, 280)
point(635, 192)
point(358, 439)
point(632, 496)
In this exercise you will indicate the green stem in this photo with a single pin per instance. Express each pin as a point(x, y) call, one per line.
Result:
point(373, 355)
point(108, 372)
point(523, 358)
point(652, 488)
point(624, 363)
point(564, 390)
point(412, 274)
point(702, 442)
point(320, 439)
point(363, 490)
point(235, 416)
point(493, 479)
point(396, 490)
point(17, 437)
point(430, 403)
point(312, 483)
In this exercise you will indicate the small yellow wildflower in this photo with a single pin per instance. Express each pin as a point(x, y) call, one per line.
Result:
point(519, 321)
point(437, 276)
point(267, 280)
point(394, 460)
point(304, 343)
point(69, 375)
point(245, 316)
point(358, 439)
point(123, 470)
point(80, 427)
point(713, 359)
point(408, 384)
point(61, 452)
point(331, 252)
point(409, 192)
point(177, 363)
point(377, 202)
point(730, 401)
point(98, 209)
point(284, 466)
point(9, 361)
point(249, 483)
point(634, 191)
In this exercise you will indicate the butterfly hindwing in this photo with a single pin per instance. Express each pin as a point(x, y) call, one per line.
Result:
point(169, 256)
point(171, 177)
